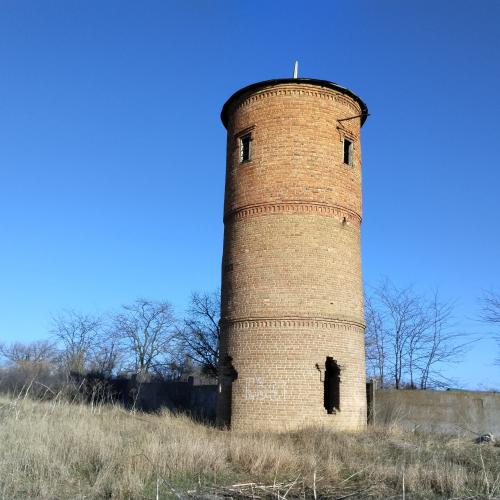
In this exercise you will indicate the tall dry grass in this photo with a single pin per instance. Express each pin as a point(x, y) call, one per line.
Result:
point(59, 450)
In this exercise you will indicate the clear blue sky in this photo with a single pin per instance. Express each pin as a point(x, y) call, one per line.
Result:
point(112, 152)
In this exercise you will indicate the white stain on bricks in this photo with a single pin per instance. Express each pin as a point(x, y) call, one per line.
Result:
point(259, 389)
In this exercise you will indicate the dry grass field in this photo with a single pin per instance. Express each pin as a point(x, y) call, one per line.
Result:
point(57, 450)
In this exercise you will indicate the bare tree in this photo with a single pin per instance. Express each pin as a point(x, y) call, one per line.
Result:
point(376, 342)
point(177, 367)
point(410, 337)
point(199, 333)
point(145, 329)
point(30, 364)
point(490, 312)
point(491, 307)
point(78, 333)
point(38, 351)
point(404, 326)
point(106, 355)
point(441, 342)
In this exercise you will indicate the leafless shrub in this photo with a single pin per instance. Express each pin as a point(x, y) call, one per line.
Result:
point(30, 364)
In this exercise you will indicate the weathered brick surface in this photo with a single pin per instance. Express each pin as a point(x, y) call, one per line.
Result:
point(291, 270)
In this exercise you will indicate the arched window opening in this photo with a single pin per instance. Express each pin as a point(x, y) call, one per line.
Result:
point(332, 386)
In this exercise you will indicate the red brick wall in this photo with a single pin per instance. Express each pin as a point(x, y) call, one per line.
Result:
point(291, 270)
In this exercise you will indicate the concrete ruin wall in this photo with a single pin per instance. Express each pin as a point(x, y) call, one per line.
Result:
point(451, 412)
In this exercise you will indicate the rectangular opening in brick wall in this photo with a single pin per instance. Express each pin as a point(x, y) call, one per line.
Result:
point(332, 386)
point(245, 147)
point(347, 151)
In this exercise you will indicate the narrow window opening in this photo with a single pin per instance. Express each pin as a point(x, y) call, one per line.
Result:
point(332, 386)
point(245, 147)
point(227, 375)
point(347, 151)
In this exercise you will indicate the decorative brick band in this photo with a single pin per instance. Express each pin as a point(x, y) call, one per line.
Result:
point(295, 322)
point(294, 207)
point(285, 91)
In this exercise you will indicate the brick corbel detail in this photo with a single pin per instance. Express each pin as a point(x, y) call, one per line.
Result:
point(316, 323)
point(285, 90)
point(342, 213)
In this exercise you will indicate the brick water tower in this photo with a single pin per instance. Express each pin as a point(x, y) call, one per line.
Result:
point(292, 323)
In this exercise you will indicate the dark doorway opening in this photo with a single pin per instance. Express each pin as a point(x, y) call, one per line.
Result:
point(332, 386)
point(227, 375)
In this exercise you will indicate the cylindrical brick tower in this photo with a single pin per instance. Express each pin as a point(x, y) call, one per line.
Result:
point(292, 345)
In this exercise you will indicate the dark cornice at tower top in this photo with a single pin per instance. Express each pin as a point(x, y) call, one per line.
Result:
point(311, 81)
